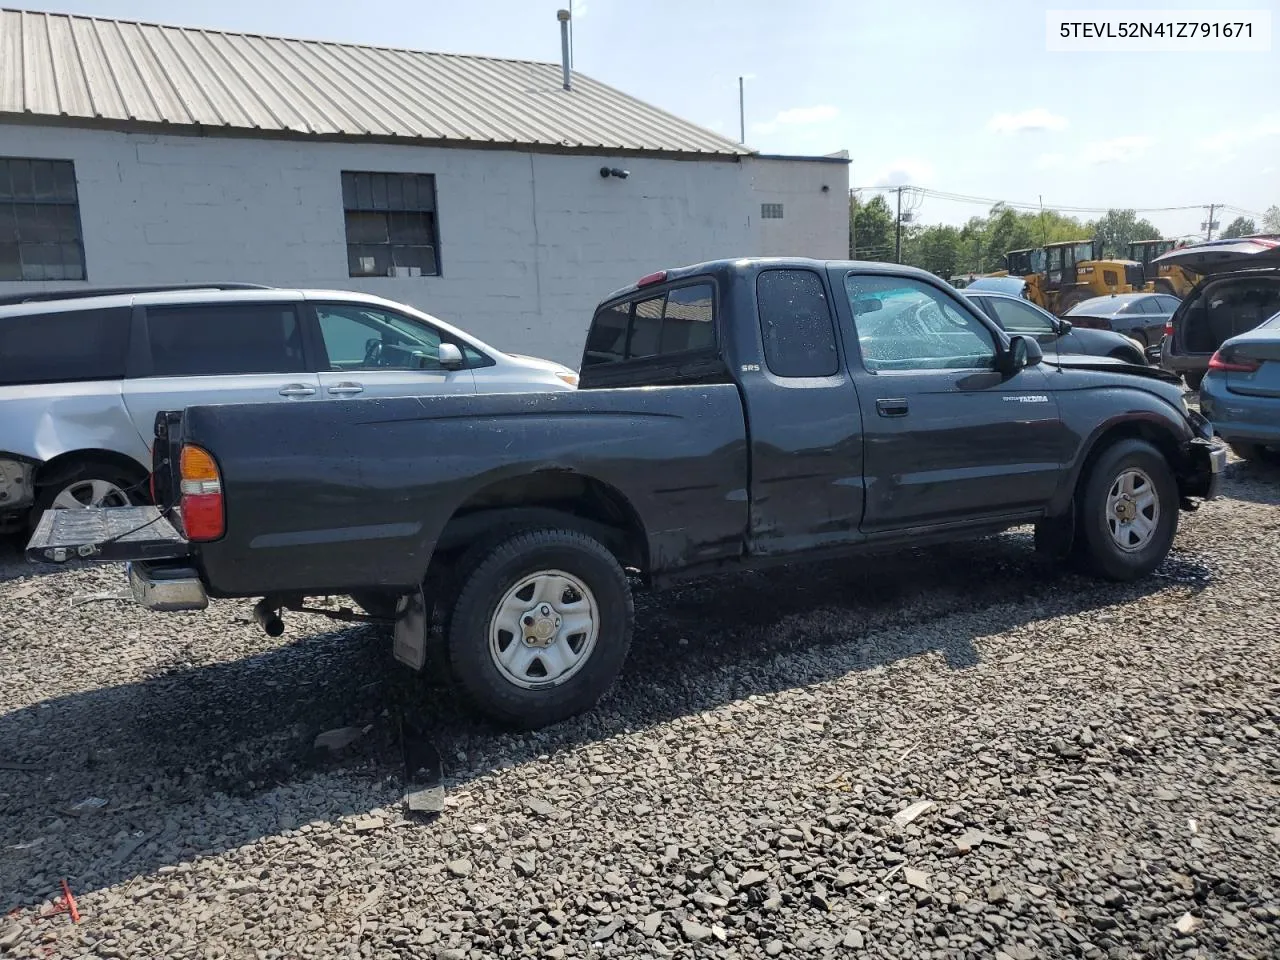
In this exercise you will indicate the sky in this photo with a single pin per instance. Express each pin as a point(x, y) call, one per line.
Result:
point(957, 97)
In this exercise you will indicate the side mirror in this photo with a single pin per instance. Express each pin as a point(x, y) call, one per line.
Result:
point(1064, 327)
point(451, 357)
point(1023, 352)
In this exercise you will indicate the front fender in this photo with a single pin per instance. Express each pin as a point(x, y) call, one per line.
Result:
point(1119, 412)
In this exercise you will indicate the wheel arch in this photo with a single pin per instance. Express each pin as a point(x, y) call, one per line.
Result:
point(1155, 430)
point(58, 468)
point(549, 497)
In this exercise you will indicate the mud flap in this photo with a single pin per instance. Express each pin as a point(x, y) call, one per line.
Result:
point(1055, 536)
point(412, 623)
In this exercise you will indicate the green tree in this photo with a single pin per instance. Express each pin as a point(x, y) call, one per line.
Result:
point(1118, 228)
point(936, 249)
point(1240, 227)
point(871, 229)
point(1271, 220)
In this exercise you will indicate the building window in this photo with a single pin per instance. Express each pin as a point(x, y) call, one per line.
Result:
point(391, 224)
point(40, 235)
point(771, 211)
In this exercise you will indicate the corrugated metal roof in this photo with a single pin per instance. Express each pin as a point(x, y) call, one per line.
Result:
point(124, 74)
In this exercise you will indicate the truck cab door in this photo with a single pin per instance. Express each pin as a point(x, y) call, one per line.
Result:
point(949, 439)
point(803, 418)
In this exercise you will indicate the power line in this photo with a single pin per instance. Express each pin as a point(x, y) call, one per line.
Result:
point(1019, 205)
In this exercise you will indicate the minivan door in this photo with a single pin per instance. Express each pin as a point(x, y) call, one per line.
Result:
point(204, 353)
point(374, 352)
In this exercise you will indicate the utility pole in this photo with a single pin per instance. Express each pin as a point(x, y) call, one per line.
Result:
point(1209, 225)
point(853, 226)
point(742, 114)
point(897, 233)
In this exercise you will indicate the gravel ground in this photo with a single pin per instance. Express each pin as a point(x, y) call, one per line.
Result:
point(953, 753)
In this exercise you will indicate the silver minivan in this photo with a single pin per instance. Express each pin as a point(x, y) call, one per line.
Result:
point(83, 377)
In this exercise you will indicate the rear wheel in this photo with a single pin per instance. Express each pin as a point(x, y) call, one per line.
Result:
point(541, 627)
point(90, 483)
point(1070, 300)
point(1128, 511)
point(1194, 378)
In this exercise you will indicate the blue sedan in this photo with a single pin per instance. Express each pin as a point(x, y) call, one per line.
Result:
point(1241, 392)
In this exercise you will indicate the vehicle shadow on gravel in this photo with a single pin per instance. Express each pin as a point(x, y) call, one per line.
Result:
point(182, 738)
point(1253, 482)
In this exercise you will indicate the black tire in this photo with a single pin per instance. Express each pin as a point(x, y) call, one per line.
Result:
point(518, 556)
point(1256, 452)
point(130, 482)
point(1097, 548)
point(1194, 378)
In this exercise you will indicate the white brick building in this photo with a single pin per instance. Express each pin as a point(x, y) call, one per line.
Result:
point(180, 169)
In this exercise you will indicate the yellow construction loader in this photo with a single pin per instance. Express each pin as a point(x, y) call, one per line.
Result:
point(1165, 279)
point(1060, 275)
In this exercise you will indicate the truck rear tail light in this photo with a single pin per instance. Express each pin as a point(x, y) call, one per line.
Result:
point(203, 516)
point(1168, 328)
point(1230, 364)
point(652, 278)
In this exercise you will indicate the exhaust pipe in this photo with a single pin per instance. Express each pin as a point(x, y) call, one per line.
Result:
point(563, 16)
point(268, 617)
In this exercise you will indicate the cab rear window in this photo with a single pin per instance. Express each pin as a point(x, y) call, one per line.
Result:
point(679, 320)
point(64, 347)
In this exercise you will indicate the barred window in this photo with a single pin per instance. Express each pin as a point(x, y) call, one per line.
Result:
point(40, 236)
point(771, 211)
point(391, 224)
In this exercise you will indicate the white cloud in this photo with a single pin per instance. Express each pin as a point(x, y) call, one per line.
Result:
point(1037, 118)
point(797, 117)
point(1115, 150)
point(905, 172)
point(1226, 144)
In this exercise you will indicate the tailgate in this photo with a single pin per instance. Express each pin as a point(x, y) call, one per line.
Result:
point(105, 534)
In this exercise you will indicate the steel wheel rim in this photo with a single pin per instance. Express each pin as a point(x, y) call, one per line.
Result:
point(543, 630)
point(1132, 512)
point(83, 494)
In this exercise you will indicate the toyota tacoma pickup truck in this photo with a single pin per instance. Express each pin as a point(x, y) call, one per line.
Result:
point(730, 414)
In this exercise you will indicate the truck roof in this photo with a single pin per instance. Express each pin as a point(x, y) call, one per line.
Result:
point(745, 265)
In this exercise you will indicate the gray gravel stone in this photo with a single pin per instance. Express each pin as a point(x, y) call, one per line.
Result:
point(737, 785)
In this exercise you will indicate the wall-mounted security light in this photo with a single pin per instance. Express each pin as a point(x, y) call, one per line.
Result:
point(618, 172)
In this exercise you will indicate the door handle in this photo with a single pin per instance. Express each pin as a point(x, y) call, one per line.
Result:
point(346, 388)
point(892, 408)
point(297, 390)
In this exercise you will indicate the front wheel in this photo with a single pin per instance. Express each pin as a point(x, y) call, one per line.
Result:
point(1128, 511)
point(541, 627)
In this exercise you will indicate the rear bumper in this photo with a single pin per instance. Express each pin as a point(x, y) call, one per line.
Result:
point(1239, 417)
point(1182, 362)
point(166, 588)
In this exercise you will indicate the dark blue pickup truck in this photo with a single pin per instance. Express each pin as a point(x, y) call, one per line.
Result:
point(735, 413)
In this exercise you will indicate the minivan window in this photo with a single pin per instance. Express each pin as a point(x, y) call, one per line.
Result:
point(75, 345)
point(225, 339)
point(365, 338)
point(795, 322)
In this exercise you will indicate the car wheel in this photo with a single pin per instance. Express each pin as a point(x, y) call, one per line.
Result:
point(1257, 452)
point(90, 484)
point(1127, 511)
point(541, 627)
point(1194, 378)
